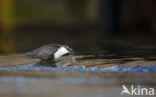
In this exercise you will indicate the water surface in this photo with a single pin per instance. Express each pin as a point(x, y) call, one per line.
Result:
point(91, 76)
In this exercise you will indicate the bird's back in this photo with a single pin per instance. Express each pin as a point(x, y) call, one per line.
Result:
point(44, 52)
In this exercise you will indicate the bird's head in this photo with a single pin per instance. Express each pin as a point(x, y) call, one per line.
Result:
point(63, 50)
point(70, 51)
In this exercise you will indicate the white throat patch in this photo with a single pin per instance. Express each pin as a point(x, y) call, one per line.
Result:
point(60, 52)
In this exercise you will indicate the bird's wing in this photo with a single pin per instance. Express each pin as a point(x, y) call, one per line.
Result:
point(45, 51)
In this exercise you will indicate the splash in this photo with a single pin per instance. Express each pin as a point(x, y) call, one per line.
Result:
point(72, 57)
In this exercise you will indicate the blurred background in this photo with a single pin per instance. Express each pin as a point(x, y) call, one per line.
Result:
point(84, 25)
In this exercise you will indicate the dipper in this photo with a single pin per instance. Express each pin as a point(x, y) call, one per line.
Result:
point(49, 53)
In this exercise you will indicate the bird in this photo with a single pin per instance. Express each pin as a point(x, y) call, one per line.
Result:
point(49, 53)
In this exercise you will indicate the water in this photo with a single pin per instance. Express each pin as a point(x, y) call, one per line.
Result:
point(90, 76)
point(82, 68)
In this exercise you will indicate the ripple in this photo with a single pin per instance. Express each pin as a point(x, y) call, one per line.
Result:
point(82, 68)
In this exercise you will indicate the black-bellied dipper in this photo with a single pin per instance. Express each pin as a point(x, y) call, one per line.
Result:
point(49, 53)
